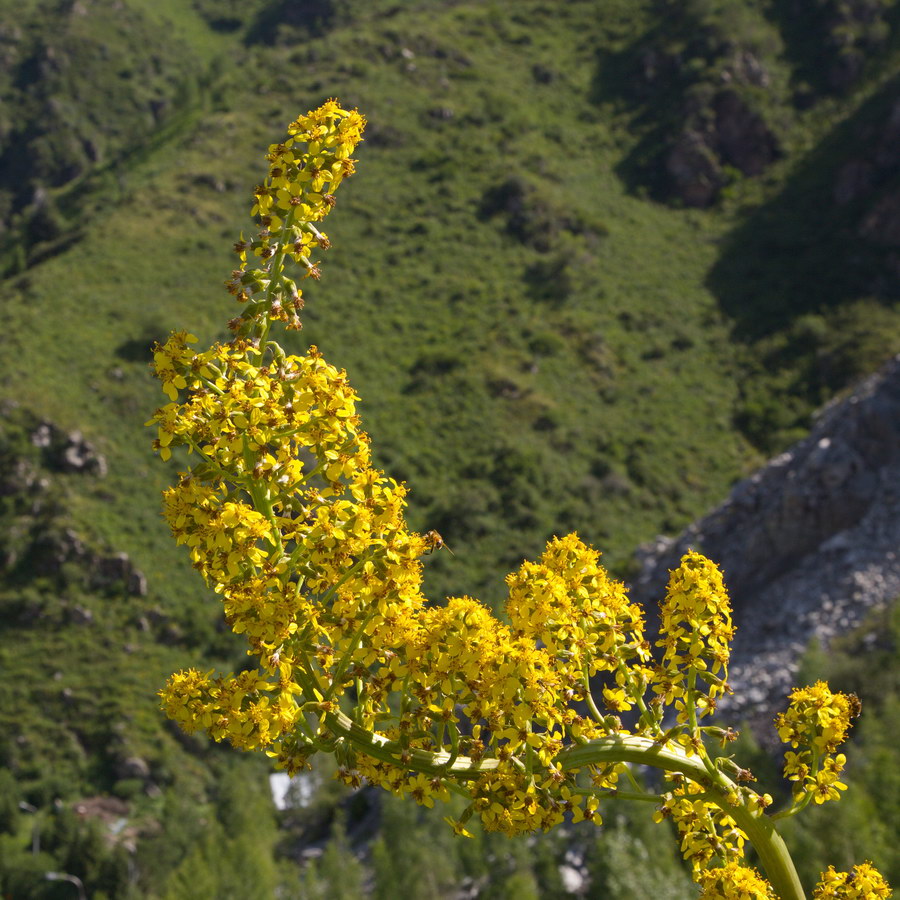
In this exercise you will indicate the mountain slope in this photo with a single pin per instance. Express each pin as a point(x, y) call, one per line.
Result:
point(546, 334)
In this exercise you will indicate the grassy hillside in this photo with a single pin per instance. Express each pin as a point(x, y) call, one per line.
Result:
point(549, 330)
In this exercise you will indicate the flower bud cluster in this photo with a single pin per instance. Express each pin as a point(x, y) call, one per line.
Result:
point(305, 170)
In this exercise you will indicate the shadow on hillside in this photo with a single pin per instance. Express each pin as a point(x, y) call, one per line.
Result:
point(832, 45)
point(651, 87)
point(804, 31)
point(829, 237)
point(277, 21)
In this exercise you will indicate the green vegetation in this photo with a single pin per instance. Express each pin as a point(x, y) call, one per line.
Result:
point(546, 334)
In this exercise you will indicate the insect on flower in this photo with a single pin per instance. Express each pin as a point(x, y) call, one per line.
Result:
point(434, 542)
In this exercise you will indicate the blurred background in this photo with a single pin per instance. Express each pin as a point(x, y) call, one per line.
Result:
point(624, 267)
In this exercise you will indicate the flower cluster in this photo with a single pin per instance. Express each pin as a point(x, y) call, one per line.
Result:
point(238, 708)
point(864, 883)
point(308, 547)
point(696, 632)
point(817, 721)
point(734, 882)
point(584, 618)
point(708, 833)
point(305, 170)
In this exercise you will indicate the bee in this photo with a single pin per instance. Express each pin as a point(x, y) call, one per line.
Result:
point(434, 542)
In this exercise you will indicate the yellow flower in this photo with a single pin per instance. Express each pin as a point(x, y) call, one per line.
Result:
point(734, 882)
point(864, 883)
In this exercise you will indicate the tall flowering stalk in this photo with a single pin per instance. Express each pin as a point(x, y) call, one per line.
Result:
point(309, 550)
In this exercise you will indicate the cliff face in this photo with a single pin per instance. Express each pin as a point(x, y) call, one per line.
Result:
point(809, 544)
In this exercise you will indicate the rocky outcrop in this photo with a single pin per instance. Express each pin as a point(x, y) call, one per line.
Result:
point(36, 539)
point(68, 452)
point(809, 544)
point(741, 136)
point(723, 130)
point(695, 175)
point(707, 87)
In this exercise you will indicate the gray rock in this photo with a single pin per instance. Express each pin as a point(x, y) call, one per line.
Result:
point(133, 767)
point(746, 67)
point(50, 551)
point(118, 569)
point(81, 615)
point(137, 583)
point(79, 455)
point(68, 452)
point(808, 545)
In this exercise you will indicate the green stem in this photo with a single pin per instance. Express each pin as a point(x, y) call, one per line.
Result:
point(263, 504)
point(711, 770)
point(379, 747)
point(456, 788)
point(796, 807)
point(773, 854)
point(224, 474)
point(630, 776)
point(616, 794)
point(276, 270)
point(212, 386)
point(348, 655)
point(589, 698)
point(454, 745)
point(636, 694)
point(326, 597)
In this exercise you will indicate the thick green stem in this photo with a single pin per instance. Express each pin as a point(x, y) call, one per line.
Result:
point(773, 854)
point(616, 794)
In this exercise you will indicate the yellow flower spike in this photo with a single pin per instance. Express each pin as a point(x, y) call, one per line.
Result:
point(697, 630)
